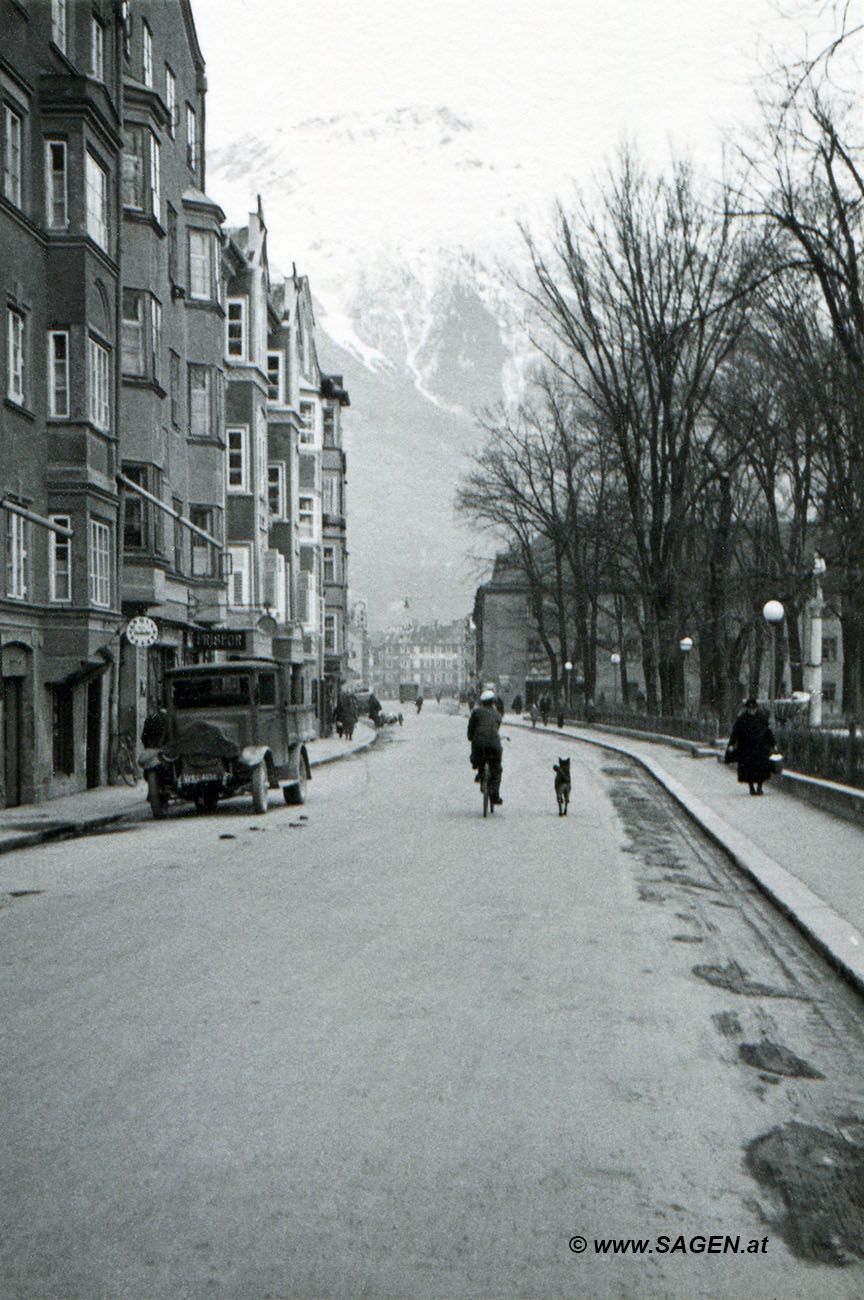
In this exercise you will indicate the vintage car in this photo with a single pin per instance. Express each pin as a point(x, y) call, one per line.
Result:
point(229, 728)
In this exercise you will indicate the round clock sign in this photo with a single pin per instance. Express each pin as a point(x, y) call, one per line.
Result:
point(142, 631)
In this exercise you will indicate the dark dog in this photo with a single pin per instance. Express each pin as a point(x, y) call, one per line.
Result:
point(562, 785)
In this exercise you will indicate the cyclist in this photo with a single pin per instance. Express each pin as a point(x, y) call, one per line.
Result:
point(485, 742)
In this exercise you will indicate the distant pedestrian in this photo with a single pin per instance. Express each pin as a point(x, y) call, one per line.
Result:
point(751, 744)
point(545, 706)
point(517, 705)
point(418, 703)
point(535, 714)
point(374, 709)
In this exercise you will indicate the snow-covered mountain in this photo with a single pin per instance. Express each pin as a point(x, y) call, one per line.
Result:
point(413, 308)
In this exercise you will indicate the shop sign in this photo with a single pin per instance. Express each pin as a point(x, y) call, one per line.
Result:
point(142, 631)
point(217, 639)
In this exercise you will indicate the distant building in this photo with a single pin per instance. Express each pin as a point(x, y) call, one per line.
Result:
point(358, 671)
point(438, 657)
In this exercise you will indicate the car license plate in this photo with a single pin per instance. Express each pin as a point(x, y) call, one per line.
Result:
point(192, 776)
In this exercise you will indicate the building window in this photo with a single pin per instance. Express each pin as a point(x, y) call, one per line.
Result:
point(171, 99)
point(174, 383)
point(15, 355)
point(329, 564)
point(829, 692)
point(307, 422)
point(179, 539)
point(202, 552)
point(155, 179)
point(58, 24)
point(136, 511)
point(236, 329)
point(99, 381)
point(133, 168)
point(100, 563)
point(97, 201)
point(133, 332)
point(12, 130)
point(156, 339)
point(58, 374)
point(829, 649)
point(63, 723)
point(330, 503)
point(329, 431)
point(97, 49)
point(240, 584)
point(60, 561)
point(238, 459)
point(330, 633)
point(146, 53)
point(171, 220)
point(306, 516)
point(56, 185)
point(276, 490)
point(191, 137)
point(201, 265)
point(200, 401)
point(276, 377)
point(17, 555)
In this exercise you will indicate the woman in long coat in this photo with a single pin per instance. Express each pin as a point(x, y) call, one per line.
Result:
point(751, 744)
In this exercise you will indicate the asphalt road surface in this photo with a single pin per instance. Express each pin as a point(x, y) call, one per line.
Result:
point(379, 1047)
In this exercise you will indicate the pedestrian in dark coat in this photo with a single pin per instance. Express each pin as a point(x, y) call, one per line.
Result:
point(348, 712)
point(751, 744)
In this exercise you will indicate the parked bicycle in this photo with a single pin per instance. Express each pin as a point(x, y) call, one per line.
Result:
point(122, 763)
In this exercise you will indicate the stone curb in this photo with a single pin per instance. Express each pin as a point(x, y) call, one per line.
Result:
point(838, 941)
point(80, 829)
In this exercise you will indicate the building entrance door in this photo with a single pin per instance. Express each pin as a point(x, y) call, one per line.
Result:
point(12, 753)
point(94, 728)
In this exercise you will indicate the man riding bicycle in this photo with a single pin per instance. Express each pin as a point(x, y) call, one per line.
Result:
point(485, 742)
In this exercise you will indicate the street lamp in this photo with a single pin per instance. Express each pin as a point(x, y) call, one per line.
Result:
point(773, 613)
point(685, 645)
point(568, 668)
point(615, 660)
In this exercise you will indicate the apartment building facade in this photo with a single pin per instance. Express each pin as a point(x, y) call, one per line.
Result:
point(61, 67)
point(438, 657)
point(172, 337)
point(164, 422)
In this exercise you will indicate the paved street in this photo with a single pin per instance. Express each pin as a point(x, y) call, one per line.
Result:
point(379, 1047)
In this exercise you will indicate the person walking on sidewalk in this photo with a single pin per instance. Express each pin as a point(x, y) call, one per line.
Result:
point(751, 744)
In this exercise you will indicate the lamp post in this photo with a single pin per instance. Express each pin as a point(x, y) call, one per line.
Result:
point(813, 679)
point(685, 645)
point(615, 660)
point(773, 613)
point(568, 668)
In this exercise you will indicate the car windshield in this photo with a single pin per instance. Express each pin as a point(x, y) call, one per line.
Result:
point(219, 691)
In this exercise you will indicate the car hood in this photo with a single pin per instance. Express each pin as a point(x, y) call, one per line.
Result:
point(203, 739)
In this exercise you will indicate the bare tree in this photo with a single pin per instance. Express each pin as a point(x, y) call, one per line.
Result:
point(639, 307)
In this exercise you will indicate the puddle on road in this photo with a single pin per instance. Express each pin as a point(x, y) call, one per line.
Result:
point(818, 1177)
point(778, 1060)
point(734, 978)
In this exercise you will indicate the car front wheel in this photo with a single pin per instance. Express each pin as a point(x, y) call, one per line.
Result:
point(295, 793)
point(259, 788)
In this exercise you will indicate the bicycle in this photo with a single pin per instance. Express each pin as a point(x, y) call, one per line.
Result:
point(122, 764)
point(486, 789)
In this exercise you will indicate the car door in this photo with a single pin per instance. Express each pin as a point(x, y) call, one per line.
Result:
point(270, 723)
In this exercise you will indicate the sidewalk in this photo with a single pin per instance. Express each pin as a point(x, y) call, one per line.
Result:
point(91, 810)
point(809, 862)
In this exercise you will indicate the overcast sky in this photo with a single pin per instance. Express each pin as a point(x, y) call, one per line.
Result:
point(562, 80)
